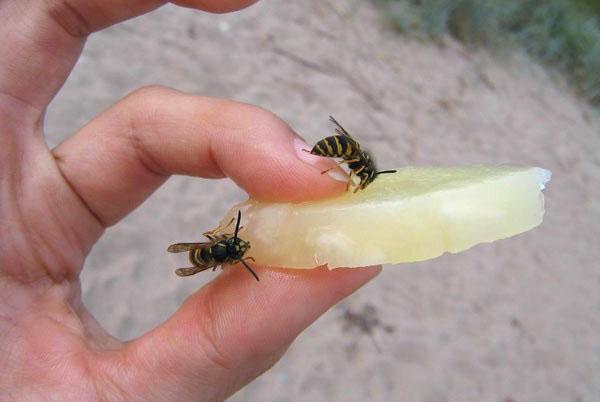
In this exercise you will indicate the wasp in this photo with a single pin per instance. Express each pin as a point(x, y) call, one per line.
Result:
point(222, 249)
point(342, 145)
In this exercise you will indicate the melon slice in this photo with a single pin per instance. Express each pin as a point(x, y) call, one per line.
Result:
point(412, 215)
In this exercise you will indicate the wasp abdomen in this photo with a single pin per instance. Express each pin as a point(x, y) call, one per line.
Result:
point(200, 256)
point(336, 146)
point(205, 254)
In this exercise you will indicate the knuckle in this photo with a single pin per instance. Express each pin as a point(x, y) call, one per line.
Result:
point(213, 348)
point(69, 18)
point(260, 123)
point(150, 94)
point(139, 112)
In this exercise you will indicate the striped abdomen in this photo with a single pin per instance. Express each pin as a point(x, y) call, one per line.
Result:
point(336, 146)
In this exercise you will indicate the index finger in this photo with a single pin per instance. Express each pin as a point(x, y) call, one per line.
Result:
point(122, 156)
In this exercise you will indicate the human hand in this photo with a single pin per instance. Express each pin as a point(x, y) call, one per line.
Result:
point(54, 204)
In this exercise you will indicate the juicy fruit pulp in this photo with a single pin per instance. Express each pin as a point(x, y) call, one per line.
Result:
point(412, 215)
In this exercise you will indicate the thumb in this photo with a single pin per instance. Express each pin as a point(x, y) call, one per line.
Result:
point(234, 329)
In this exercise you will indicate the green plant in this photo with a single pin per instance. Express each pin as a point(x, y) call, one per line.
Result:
point(561, 33)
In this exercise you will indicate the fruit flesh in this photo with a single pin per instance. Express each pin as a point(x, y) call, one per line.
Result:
point(412, 215)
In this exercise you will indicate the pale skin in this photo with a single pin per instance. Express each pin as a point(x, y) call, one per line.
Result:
point(55, 203)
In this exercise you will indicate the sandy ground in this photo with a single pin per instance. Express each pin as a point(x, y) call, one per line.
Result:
point(517, 320)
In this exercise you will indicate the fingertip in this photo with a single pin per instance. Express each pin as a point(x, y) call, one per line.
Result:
point(276, 166)
point(217, 7)
point(324, 165)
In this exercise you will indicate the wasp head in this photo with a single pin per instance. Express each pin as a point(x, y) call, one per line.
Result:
point(236, 248)
point(369, 170)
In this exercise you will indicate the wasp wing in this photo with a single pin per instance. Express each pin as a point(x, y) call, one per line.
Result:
point(190, 271)
point(181, 247)
point(339, 129)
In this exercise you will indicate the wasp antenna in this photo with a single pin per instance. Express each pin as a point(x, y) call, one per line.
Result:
point(237, 225)
point(386, 171)
point(250, 269)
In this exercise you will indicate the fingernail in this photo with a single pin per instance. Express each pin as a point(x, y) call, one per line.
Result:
point(321, 163)
point(338, 174)
point(303, 152)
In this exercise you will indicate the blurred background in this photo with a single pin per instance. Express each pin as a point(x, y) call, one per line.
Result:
point(420, 83)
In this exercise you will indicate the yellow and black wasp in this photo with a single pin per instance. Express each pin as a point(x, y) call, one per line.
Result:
point(222, 249)
point(344, 146)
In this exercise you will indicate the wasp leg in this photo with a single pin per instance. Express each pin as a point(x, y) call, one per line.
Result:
point(250, 269)
point(339, 163)
point(362, 184)
point(350, 181)
point(223, 236)
point(190, 271)
point(359, 187)
point(212, 234)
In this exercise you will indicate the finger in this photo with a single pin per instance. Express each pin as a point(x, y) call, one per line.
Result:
point(221, 6)
point(234, 329)
point(122, 156)
point(82, 17)
point(41, 40)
